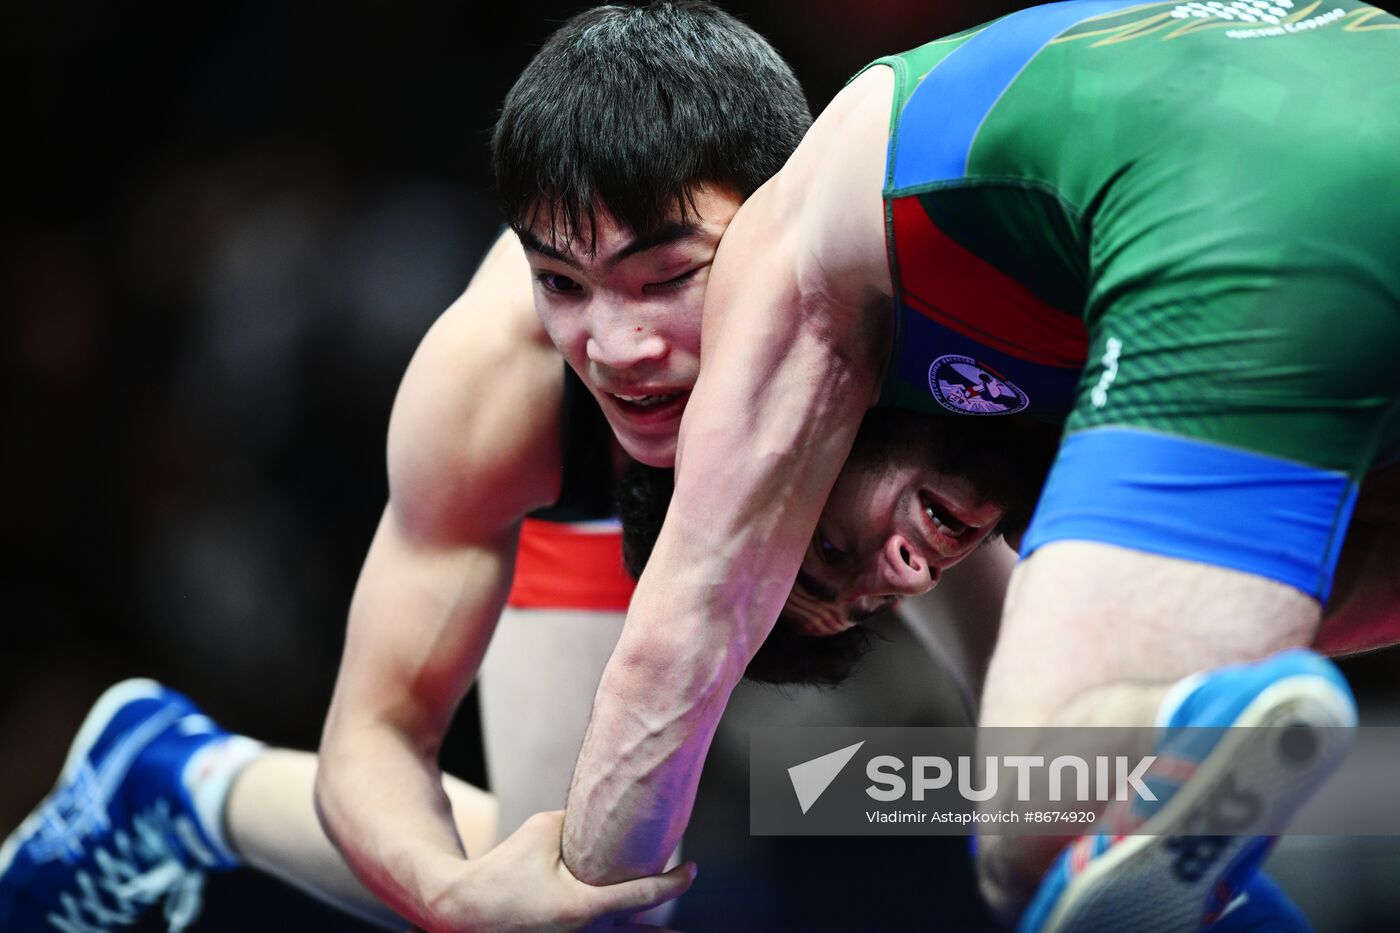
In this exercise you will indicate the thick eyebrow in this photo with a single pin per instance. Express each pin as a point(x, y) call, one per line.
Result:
point(533, 244)
point(669, 232)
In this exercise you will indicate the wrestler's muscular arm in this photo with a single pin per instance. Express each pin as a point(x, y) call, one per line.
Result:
point(462, 471)
point(473, 446)
point(794, 331)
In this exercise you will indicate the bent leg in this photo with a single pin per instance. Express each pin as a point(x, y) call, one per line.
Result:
point(153, 795)
point(537, 685)
point(1081, 615)
point(1095, 635)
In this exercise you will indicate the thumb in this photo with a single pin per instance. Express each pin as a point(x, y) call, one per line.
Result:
point(630, 897)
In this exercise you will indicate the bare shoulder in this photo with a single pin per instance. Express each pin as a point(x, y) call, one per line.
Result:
point(836, 180)
point(856, 122)
point(474, 436)
point(811, 242)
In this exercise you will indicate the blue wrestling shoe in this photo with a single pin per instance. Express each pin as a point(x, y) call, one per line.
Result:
point(119, 831)
point(1177, 863)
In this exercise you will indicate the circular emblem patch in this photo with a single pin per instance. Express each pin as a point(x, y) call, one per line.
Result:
point(963, 385)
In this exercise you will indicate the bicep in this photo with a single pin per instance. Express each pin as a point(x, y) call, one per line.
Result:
point(438, 568)
point(420, 621)
point(464, 466)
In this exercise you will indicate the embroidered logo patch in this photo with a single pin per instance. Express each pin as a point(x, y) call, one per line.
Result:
point(963, 385)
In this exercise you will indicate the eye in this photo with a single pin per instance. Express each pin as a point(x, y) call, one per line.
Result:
point(828, 552)
point(558, 284)
point(676, 282)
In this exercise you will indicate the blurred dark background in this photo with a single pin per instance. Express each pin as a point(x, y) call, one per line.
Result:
point(226, 228)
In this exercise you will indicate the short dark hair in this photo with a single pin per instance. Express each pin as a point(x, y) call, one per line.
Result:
point(786, 656)
point(632, 107)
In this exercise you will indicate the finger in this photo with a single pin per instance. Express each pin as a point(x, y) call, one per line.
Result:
point(631, 897)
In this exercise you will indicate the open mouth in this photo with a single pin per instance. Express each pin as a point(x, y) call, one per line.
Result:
point(948, 532)
point(648, 401)
point(649, 407)
point(942, 519)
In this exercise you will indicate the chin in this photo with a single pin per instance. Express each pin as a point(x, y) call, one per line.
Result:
point(652, 452)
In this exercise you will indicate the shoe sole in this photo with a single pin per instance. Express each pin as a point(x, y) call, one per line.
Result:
point(1108, 895)
point(113, 699)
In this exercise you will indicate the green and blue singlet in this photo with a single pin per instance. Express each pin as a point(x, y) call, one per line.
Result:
point(1175, 227)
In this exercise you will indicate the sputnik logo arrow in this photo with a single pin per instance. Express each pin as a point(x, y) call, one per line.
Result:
point(811, 778)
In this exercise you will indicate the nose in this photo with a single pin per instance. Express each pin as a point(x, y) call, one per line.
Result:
point(902, 570)
point(618, 340)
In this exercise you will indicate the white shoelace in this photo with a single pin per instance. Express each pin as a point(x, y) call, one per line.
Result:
point(141, 868)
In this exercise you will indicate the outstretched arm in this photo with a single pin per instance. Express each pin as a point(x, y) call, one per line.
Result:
point(794, 331)
point(433, 584)
point(464, 466)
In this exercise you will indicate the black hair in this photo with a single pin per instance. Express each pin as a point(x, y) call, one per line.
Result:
point(630, 108)
point(786, 656)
